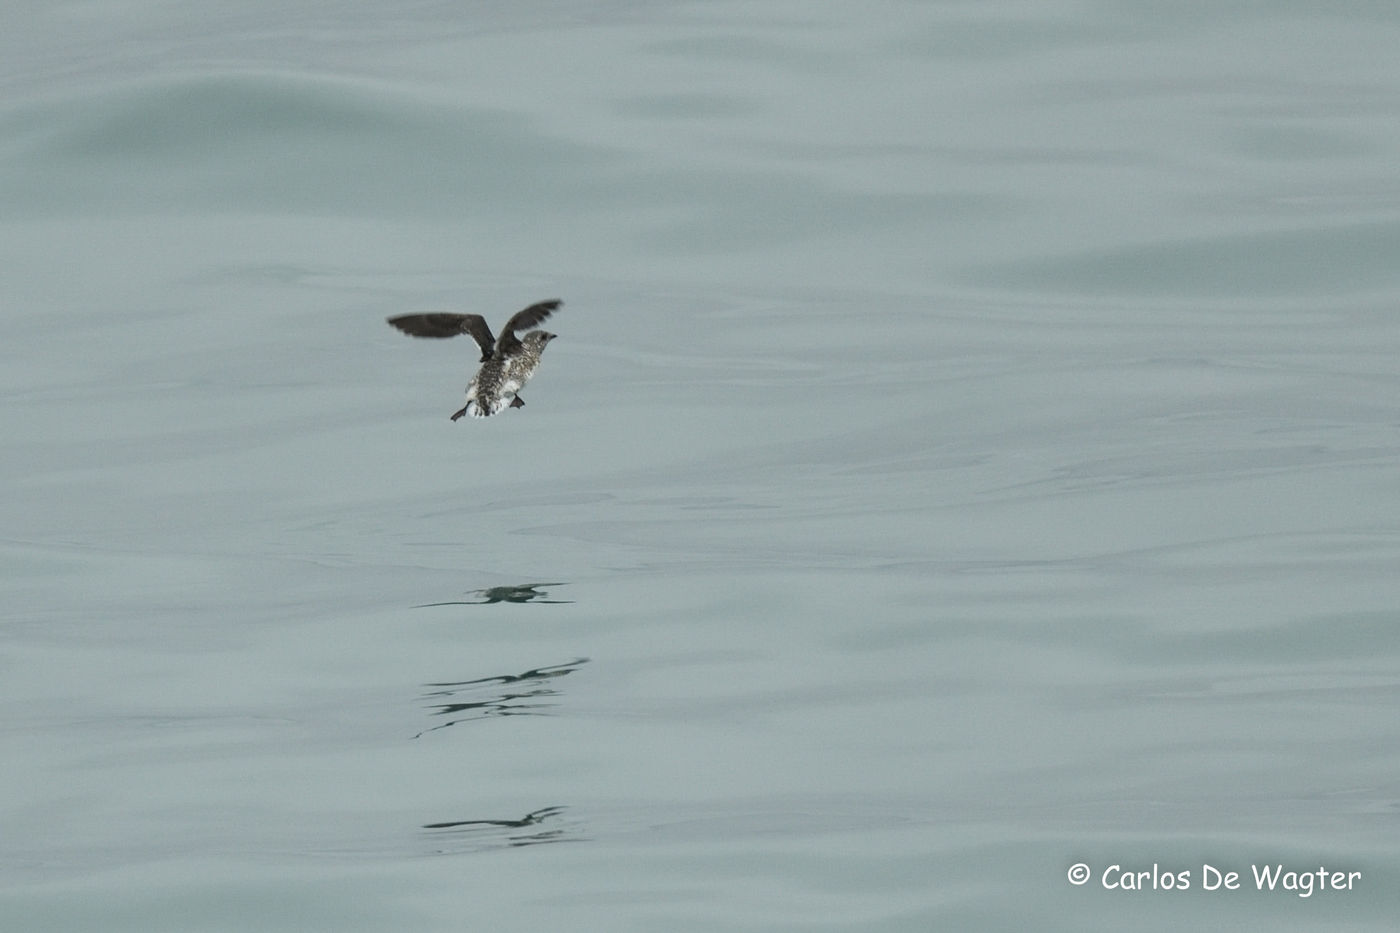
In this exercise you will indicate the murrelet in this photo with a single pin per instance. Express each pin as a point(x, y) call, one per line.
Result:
point(506, 364)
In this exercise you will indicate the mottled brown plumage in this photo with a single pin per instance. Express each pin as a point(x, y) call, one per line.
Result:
point(507, 362)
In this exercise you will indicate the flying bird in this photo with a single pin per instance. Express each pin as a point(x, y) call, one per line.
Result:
point(507, 362)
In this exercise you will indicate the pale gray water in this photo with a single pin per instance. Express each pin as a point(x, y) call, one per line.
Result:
point(970, 450)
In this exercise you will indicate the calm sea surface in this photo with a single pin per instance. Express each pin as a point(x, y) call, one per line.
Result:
point(970, 458)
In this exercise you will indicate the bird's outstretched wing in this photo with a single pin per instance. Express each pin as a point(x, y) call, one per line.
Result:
point(509, 344)
point(444, 324)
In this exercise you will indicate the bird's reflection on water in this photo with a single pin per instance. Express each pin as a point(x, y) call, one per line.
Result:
point(524, 593)
point(524, 694)
point(528, 693)
point(485, 834)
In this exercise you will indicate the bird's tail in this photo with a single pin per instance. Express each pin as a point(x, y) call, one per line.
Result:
point(476, 409)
